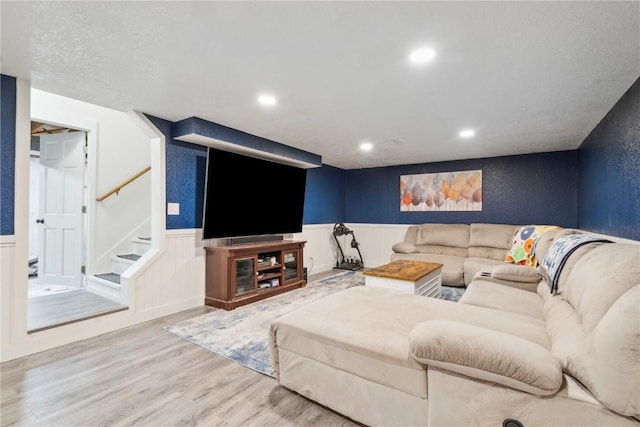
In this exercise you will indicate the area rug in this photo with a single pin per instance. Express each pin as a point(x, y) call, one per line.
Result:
point(242, 335)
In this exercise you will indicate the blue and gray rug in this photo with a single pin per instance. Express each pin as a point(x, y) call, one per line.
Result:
point(242, 335)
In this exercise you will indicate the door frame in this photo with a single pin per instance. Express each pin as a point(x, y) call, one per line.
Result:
point(33, 227)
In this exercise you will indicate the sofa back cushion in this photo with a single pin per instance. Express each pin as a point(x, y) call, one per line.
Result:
point(442, 250)
point(490, 240)
point(455, 235)
point(594, 325)
point(599, 278)
point(410, 236)
point(612, 369)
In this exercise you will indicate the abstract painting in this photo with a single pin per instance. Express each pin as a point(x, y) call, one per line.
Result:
point(444, 191)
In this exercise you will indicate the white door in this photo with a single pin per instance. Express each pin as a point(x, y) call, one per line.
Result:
point(61, 221)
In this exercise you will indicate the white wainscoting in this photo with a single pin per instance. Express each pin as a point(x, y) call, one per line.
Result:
point(375, 242)
point(174, 279)
point(171, 280)
point(7, 277)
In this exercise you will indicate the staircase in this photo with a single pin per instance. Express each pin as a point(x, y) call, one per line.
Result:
point(108, 284)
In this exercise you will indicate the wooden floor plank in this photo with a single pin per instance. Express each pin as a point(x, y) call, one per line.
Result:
point(145, 376)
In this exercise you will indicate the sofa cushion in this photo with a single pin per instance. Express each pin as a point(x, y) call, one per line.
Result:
point(456, 235)
point(358, 332)
point(473, 265)
point(560, 252)
point(441, 250)
point(486, 355)
point(515, 273)
point(365, 331)
point(612, 366)
point(484, 293)
point(599, 277)
point(564, 274)
point(495, 254)
point(411, 235)
point(491, 235)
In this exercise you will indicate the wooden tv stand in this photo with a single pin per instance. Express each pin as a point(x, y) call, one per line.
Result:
point(241, 274)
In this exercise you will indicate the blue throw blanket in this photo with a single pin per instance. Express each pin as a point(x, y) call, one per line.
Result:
point(557, 255)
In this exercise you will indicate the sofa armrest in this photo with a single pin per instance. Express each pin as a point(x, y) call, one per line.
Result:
point(515, 273)
point(486, 355)
point(403, 248)
point(515, 276)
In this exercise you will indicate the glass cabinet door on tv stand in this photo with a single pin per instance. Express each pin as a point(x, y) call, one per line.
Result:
point(292, 267)
point(244, 275)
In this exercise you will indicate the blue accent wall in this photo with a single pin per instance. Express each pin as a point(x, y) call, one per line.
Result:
point(524, 189)
point(609, 171)
point(185, 177)
point(324, 198)
point(7, 153)
point(532, 188)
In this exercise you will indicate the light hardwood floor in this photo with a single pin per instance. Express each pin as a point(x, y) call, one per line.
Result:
point(145, 376)
point(67, 307)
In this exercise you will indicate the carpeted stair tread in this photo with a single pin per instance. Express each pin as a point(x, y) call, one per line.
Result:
point(130, 257)
point(112, 277)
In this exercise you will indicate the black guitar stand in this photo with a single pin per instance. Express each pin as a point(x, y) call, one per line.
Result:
point(347, 263)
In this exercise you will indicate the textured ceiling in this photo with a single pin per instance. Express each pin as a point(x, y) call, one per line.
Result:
point(528, 76)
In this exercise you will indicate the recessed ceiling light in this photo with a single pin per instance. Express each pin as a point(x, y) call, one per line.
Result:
point(466, 133)
point(267, 100)
point(366, 146)
point(420, 56)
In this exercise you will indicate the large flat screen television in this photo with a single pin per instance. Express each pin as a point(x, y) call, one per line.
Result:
point(247, 196)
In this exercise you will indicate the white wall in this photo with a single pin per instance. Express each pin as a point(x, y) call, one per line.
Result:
point(321, 252)
point(117, 150)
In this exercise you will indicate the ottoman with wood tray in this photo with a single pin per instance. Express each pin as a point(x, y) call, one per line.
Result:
point(414, 277)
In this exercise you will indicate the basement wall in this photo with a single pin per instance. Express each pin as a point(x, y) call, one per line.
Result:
point(609, 171)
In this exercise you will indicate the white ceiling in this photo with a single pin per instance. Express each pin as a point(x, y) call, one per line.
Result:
point(528, 76)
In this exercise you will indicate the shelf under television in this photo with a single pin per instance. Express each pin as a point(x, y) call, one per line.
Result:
point(251, 296)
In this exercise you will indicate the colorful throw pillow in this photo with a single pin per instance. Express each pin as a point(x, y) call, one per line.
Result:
point(524, 240)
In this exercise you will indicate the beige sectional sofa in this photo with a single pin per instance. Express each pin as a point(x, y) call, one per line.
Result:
point(510, 349)
point(463, 249)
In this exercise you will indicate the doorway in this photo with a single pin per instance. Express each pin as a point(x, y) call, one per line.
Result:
point(58, 230)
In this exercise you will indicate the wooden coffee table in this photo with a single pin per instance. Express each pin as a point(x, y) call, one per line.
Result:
point(414, 277)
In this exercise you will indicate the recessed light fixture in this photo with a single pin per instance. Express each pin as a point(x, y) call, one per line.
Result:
point(267, 100)
point(467, 133)
point(422, 55)
point(366, 146)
